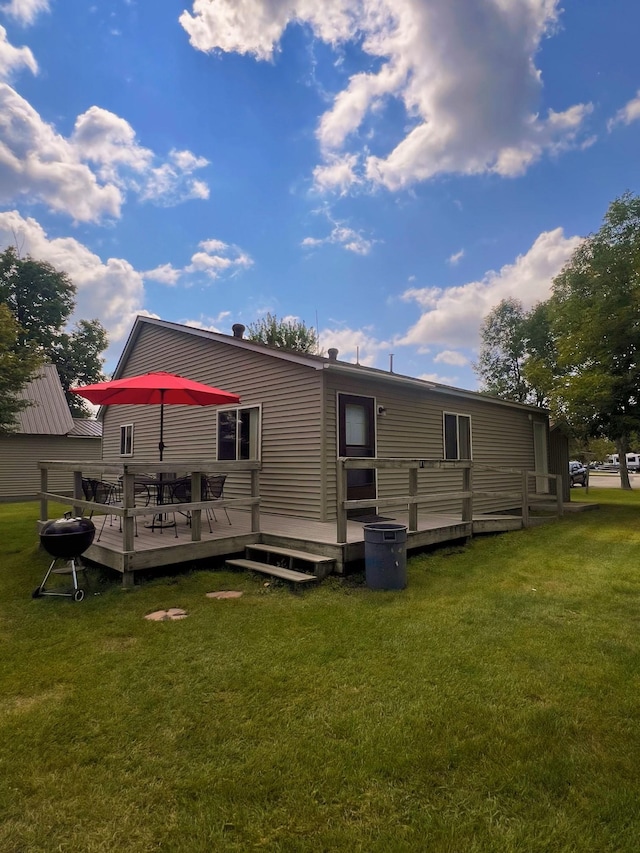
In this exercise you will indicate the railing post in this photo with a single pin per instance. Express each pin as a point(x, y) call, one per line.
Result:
point(559, 501)
point(525, 499)
point(44, 487)
point(467, 486)
point(413, 492)
point(255, 508)
point(128, 501)
point(77, 491)
point(196, 514)
point(341, 492)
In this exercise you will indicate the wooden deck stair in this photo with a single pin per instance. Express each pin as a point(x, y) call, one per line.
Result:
point(322, 565)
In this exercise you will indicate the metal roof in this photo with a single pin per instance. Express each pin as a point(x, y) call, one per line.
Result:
point(49, 413)
point(86, 428)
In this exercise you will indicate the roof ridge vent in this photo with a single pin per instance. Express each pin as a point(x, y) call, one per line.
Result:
point(333, 354)
point(238, 330)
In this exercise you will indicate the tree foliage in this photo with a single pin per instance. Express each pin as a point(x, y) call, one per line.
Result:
point(595, 321)
point(510, 337)
point(579, 352)
point(18, 365)
point(286, 334)
point(41, 299)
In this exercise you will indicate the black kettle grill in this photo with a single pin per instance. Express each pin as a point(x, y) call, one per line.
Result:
point(66, 538)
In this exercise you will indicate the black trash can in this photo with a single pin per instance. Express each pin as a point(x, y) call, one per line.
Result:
point(385, 555)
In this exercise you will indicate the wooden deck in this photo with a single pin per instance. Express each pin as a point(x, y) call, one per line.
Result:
point(161, 547)
point(341, 540)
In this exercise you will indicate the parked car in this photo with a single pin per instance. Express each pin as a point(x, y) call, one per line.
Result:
point(577, 474)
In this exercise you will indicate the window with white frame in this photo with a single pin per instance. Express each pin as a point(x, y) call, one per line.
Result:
point(239, 433)
point(126, 440)
point(457, 436)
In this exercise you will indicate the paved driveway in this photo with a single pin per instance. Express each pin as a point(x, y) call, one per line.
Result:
point(606, 480)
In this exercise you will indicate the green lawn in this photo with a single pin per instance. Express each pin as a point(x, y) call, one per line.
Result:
point(491, 706)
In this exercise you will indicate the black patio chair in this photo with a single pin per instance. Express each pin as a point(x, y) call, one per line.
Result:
point(213, 489)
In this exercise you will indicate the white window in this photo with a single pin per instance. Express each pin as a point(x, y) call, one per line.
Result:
point(126, 440)
point(457, 436)
point(239, 434)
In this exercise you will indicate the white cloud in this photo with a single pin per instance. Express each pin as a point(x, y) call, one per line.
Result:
point(340, 235)
point(627, 114)
point(13, 59)
point(441, 380)
point(463, 71)
point(165, 274)
point(38, 164)
point(25, 11)
point(448, 356)
point(353, 345)
point(256, 26)
point(110, 291)
point(452, 317)
point(215, 259)
point(455, 259)
point(87, 175)
point(209, 324)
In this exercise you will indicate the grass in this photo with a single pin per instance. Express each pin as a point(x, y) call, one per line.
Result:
point(491, 706)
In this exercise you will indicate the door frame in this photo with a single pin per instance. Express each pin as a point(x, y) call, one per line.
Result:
point(368, 490)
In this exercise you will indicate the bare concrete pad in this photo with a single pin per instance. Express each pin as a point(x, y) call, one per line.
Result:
point(167, 615)
point(225, 593)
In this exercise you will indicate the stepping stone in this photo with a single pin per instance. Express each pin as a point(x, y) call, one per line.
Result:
point(225, 593)
point(167, 615)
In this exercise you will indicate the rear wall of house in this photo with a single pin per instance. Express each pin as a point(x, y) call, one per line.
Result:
point(19, 456)
point(413, 427)
point(290, 396)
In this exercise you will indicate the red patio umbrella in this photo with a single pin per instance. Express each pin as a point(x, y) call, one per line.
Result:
point(156, 388)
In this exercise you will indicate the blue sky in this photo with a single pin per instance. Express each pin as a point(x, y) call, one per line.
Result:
point(385, 170)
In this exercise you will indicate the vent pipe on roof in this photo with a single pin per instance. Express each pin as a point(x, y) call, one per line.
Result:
point(238, 330)
point(390, 362)
point(333, 354)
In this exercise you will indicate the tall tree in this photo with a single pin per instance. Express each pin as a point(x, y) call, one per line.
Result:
point(286, 334)
point(77, 357)
point(18, 365)
point(41, 299)
point(504, 351)
point(595, 320)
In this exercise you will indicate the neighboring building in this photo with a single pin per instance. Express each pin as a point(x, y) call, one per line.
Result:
point(46, 430)
point(299, 413)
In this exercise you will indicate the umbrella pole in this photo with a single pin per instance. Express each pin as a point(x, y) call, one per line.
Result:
point(161, 519)
point(161, 443)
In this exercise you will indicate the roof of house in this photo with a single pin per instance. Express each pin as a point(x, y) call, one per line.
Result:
point(49, 412)
point(318, 362)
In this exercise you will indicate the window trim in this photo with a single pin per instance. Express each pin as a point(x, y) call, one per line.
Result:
point(457, 416)
point(249, 407)
point(123, 441)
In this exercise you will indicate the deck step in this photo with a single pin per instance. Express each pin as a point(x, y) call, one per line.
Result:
point(274, 571)
point(323, 565)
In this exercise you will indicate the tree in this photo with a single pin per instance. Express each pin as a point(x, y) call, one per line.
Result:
point(77, 358)
point(511, 339)
point(286, 334)
point(594, 314)
point(17, 367)
point(41, 299)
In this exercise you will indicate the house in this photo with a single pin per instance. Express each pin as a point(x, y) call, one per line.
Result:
point(46, 430)
point(300, 413)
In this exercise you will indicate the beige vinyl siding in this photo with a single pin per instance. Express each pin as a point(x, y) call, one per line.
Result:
point(413, 427)
point(19, 457)
point(290, 397)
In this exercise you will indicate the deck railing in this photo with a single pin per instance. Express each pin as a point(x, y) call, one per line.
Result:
point(126, 472)
point(521, 494)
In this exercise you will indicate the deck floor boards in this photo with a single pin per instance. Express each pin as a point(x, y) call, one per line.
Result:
point(161, 547)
